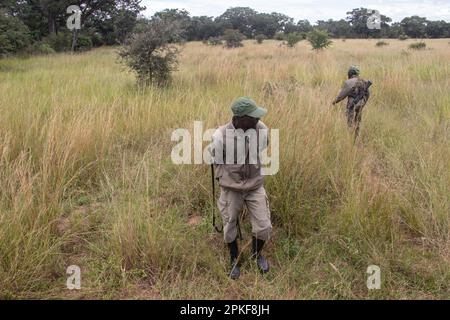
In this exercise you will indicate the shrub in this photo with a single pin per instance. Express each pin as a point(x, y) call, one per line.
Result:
point(14, 35)
point(214, 41)
point(59, 42)
point(41, 48)
point(280, 36)
point(403, 37)
point(97, 39)
point(319, 39)
point(151, 53)
point(233, 38)
point(418, 45)
point(293, 38)
point(382, 44)
point(260, 38)
point(84, 43)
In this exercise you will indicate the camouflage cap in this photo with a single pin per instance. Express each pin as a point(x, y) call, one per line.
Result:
point(246, 106)
point(354, 70)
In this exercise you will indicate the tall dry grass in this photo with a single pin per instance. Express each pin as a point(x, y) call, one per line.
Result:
point(86, 176)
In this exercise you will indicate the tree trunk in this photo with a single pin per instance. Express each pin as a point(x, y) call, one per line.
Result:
point(51, 23)
point(74, 39)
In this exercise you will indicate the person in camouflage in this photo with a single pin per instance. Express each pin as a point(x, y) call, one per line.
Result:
point(356, 90)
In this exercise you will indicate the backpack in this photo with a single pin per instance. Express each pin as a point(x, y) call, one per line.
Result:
point(360, 94)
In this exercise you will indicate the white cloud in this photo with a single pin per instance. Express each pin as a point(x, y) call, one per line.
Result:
point(312, 10)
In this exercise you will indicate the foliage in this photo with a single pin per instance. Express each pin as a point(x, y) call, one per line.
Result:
point(415, 26)
point(84, 43)
point(260, 38)
point(41, 48)
point(109, 22)
point(151, 53)
point(418, 45)
point(280, 36)
point(233, 38)
point(293, 38)
point(215, 41)
point(382, 43)
point(59, 42)
point(319, 39)
point(14, 35)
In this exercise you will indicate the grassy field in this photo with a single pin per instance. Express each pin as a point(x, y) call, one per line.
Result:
point(86, 176)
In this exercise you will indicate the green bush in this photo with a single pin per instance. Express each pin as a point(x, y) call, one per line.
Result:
point(403, 37)
point(97, 39)
point(382, 43)
point(14, 35)
point(233, 38)
point(260, 38)
point(84, 43)
point(293, 38)
point(214, 41)
point(418, 45)
point(319, 39)
point(151, 54)
point(59, 42)
point(280, 36)
point(41, 48)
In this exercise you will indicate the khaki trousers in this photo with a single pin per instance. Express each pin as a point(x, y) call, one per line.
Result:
point(232, 202)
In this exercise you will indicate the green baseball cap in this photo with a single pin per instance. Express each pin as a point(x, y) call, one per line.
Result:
point(246, 106)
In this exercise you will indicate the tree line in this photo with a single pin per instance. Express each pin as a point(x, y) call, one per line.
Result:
point(40, 25)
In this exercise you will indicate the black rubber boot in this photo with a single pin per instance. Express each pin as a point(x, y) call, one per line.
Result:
point(234, 253)
point(261, 261)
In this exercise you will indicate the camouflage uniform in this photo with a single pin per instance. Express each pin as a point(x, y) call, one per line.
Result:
point(351, 90)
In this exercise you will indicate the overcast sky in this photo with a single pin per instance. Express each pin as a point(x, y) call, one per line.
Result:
point(312, 10)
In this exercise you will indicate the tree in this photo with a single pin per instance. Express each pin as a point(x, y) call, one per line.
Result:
point(304, 26)
point(438, 29)
point(179, 16)
point(239, 18)
point(150, 53)
point(263, 23)
point(338, 29)
point(203, 28)
point(319, 39)
point(358, 20)
point(395, 31)
point(111, 30)
point(415, 26)
point(14, 34)
point(233, 38)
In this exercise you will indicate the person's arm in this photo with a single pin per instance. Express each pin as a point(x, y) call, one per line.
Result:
point(345, 91)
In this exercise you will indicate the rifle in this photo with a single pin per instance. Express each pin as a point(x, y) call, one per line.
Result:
point(219, 230)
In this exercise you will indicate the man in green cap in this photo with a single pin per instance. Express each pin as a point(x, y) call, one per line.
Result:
point(237, 147)
point(356, 90)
